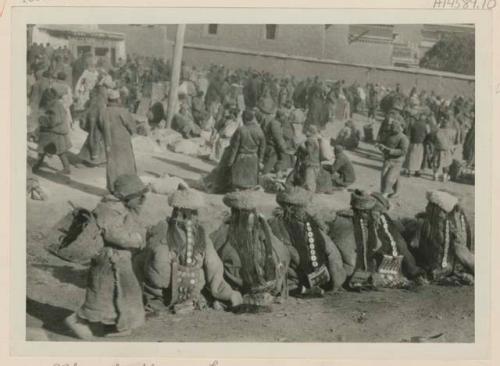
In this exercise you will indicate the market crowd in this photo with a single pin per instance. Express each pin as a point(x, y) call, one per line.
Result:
point(258, 125)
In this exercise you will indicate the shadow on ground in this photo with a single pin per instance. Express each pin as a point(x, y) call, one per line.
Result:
point(66, 274)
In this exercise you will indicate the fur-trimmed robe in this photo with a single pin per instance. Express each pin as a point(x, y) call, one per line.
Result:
point(430, 237)
point(346, 234)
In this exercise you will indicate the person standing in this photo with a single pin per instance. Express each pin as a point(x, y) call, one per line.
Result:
point(308, 163)
point(54, 131)
point(373, 103)
point(38, 89)
point(246, 154)
point(64, 90)
point(444, 139)
point(93, 151)
point(279, 148)
point(468, 152)
point(86, 82)
point(317, 110)
point(113, 295)
point(385, 126)
point(394, 149)
point(417, 132)
point(117, 127)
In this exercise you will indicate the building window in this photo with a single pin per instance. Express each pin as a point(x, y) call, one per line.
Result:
point(271, 30)
point(212, 29)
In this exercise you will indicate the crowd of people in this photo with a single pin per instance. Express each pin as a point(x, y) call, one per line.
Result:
point(258, 124)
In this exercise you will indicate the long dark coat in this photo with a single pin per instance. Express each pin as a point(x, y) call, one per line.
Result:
point(247, 148)
point(117, 126)
point(94, 144)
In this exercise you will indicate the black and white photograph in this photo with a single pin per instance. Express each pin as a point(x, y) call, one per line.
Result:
point(287, 183)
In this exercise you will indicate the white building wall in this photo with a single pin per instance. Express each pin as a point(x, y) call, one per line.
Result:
point(40, 36)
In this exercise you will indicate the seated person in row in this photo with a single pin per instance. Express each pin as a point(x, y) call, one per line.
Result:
point(180, 260)
point(255, 260)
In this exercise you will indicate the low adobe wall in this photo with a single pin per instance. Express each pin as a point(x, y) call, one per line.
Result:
point(443, 83)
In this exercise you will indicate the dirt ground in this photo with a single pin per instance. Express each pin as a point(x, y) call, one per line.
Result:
point(56, 288)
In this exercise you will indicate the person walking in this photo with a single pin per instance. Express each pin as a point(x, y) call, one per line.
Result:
point(54, 131)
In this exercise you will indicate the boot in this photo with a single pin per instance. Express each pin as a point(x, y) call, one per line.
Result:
point(65, 162)
point(38, 164)
point(79, 328)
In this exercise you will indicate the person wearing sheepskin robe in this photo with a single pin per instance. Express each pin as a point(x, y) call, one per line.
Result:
point(375, 253)
point(255, 261)
point(180, 261)
point(316, 261)
point(445, 240)
point(113, 295)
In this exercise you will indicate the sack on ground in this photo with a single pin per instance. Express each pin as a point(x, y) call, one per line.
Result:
point(165, 137)
point(76, 237)
point(163, 185)
point(189, 147)
point(145, 145)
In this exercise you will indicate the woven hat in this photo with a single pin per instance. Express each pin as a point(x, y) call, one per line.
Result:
point(128, 186)
point(444, 200)
point(242, 200)
point(186, 198)
point(361, 200)
point(296, 196)
point(381, 203)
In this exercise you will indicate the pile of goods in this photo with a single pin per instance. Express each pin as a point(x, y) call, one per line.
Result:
point(164, 184)
point(461, 173)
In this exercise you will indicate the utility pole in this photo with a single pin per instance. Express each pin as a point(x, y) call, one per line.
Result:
point(166, 42)
point(176, 73)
